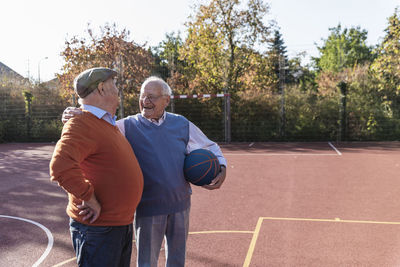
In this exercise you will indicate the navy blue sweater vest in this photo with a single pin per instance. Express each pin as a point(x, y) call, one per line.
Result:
point(161, 152)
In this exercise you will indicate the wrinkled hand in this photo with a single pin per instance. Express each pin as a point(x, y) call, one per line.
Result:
point(90, 209)
point(218, 180)
point(69, 113)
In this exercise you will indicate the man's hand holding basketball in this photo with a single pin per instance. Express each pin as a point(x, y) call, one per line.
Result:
point(218, 180)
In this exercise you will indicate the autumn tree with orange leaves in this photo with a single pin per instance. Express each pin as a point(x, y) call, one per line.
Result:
point(112, 49)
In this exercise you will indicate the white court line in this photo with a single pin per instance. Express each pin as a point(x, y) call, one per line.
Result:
point(337, 151)
point(288, 154)
point(48, 233)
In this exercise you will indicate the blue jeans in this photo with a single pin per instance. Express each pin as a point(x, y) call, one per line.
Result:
point(150, 232)
point(101, 245)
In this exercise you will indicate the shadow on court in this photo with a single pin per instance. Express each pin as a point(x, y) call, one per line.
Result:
point(283, 204)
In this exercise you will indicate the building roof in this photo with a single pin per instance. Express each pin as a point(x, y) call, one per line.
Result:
point(9, 75)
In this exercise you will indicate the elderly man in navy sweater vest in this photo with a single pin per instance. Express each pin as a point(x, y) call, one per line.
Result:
point(160, 141)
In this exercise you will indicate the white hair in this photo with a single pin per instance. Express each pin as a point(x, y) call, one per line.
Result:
point(166, 90)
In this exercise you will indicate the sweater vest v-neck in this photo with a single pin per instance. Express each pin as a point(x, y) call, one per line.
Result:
point(160, 151)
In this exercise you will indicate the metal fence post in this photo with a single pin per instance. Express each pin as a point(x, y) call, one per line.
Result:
point(121, 104)
point(28, 112)
point(172, 104)
point(343, 116)
point(227, 116)
point(282, 78)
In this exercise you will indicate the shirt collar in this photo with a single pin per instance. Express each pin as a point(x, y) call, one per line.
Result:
point(100, 113)
point(160, 120)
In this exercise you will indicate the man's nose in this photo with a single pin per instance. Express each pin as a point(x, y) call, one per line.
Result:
point(146, 98)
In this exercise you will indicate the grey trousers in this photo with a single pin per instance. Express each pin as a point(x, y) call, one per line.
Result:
point(150, 232)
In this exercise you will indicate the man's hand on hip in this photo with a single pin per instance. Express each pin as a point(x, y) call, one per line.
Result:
point(90, 209)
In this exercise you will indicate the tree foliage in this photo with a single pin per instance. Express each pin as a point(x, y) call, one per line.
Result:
point(344, 49)
point(228, 46)
point(278, 59)
point(112, 49)
point(386, 66)
point(220, 43)
point(169, 65)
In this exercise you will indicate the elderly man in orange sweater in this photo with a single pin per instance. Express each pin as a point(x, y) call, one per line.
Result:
point(96, 166)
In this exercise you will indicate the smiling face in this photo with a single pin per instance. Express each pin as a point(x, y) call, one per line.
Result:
point(152, 102)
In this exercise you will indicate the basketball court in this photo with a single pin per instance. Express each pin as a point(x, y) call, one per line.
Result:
point(282, 204)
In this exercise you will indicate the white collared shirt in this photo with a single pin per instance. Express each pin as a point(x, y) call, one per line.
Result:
point(159, 121)
point(197, 139)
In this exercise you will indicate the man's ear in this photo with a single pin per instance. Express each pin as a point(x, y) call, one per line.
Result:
point(100, 88)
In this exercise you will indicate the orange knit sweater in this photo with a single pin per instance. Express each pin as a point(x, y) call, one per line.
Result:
point(92, 156)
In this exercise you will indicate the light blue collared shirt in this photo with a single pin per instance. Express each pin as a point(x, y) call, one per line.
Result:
point(100, 113)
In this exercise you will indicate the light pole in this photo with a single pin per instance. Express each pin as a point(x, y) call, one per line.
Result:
point(39, 68)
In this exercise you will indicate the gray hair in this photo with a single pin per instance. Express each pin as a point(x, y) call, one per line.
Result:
point(166, 90)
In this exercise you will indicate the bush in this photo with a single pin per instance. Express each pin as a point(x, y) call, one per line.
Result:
point(46, 130)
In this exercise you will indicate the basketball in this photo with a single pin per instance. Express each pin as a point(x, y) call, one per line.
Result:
point(201, 167)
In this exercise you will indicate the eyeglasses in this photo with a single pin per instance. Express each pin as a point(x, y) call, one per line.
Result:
point(151, 98)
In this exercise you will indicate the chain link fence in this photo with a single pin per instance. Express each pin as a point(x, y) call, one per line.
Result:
point(29, 121)
point(258, 119)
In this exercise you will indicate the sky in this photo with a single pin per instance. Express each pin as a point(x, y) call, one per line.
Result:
point(33, 33)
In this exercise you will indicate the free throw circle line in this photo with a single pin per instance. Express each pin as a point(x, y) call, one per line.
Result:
point(47, 231)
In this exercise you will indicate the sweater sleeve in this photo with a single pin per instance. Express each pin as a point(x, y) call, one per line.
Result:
point(73, 147)
point(197, 139)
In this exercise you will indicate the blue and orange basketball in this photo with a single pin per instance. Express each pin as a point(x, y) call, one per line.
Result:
point(201, 167)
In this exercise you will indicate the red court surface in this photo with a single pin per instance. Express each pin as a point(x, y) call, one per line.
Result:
point(282, 204)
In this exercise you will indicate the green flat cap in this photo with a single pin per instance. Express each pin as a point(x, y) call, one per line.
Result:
point(88, 80)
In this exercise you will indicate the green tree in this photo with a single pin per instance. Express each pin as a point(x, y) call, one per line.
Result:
point(278, 60)
point(344, 49)
point(386, 66)
point(220, 42)
point(303, 76)
point(386, 71)
point(168, 63)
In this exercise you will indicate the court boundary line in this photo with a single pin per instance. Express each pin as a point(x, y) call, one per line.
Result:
point(337, 153)
point(253, 242)
point(46, 230)
point(337, 150)
point(256, 233)
point(336, 220)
